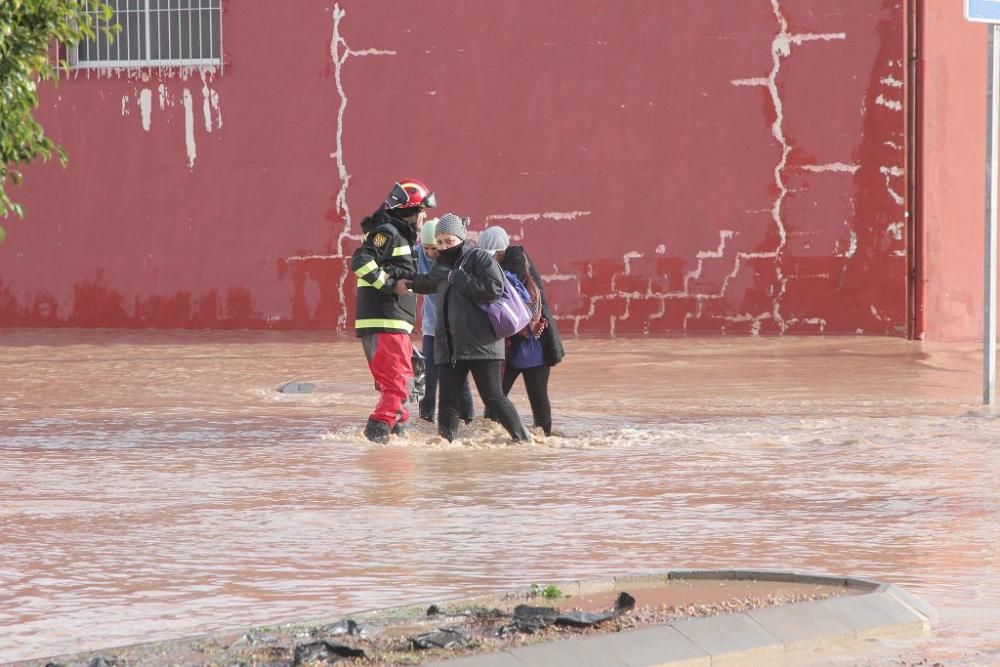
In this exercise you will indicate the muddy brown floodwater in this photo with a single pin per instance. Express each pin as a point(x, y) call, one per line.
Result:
point(154, 485)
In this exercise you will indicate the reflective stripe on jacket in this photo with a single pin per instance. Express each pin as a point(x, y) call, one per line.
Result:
point(385, 255)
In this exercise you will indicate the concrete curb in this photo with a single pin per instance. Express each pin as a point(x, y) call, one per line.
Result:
point(761, 636)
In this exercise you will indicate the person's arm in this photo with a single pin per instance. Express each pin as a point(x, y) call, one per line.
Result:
point(478, 277)
point(427, 283)
point(368, 259)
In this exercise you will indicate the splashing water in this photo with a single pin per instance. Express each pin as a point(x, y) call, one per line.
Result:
point(154, 484)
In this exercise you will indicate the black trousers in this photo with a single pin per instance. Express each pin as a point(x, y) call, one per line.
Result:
point(427, 403)
point(486, 375)
point(536, 382)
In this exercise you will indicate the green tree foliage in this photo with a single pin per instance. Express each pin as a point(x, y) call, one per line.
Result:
point(29, 33)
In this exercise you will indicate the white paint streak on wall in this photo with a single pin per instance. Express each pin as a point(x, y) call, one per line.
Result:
point(755, 320)
point(590, 313)
point(516, 217)
point(724, 235)
point(800, 39)
point(217, 109)
point(210, 102)
point(339, 53)
point(146, 107)
point(125, 110)
point(702, 255)
point(891, 81)
point(756, 81)
point(628, 256)
point(896, 229)
point(206, 105)
point(144, 74)
point(852, 247)
point(551, 215)
point(813, 321)
point(832, 167)
point(521, 218)
point(303, 258)
point(781, 47)
point(890, 173)
point(192, 150)
point(568, 215)
point(895, 105)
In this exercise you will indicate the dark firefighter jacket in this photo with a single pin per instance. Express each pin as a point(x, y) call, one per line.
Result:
point(385, 255)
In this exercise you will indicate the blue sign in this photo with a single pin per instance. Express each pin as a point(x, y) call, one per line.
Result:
point(984, 11)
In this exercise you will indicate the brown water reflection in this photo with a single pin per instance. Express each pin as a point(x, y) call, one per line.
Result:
point(154, 485)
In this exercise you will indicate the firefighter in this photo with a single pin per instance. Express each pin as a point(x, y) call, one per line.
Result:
point(386, 308)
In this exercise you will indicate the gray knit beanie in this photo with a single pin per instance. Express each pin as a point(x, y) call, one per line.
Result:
point(494, 239)
point(449, 223)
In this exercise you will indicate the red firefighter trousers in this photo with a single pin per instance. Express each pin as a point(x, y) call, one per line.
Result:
point(390, 361)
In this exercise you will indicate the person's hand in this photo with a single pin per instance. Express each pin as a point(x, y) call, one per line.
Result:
point(439, 272)
point(401, 287)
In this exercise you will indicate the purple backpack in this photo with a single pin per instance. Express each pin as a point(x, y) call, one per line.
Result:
point(508, 314)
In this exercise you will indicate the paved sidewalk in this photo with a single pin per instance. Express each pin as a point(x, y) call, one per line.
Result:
point(759, 637)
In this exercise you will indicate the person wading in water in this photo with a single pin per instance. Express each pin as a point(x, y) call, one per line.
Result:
point(541, 334)
point(385, 311)
point(463, 277)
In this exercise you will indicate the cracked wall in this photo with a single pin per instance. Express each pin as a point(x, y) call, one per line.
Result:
point(671, 167)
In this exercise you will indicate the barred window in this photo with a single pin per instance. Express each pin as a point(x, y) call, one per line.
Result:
point(156, 33)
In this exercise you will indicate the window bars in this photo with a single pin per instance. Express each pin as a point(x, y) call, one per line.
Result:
point(156, 33)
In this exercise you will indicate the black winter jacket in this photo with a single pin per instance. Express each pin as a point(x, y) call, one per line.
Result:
point(516, 261)
point(463, 329)
point(385, 255)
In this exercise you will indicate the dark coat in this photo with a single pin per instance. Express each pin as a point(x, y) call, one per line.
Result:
point(463, 329)
point(516, 261)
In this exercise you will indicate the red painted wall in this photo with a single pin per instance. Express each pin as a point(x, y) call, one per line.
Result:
point(671, 166)
point(953, 153)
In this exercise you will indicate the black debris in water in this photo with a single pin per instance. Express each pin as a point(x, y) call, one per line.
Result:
point(624, 603)
point(532, 619)
point(326, 651)
point(584, 619)
point(443, 638)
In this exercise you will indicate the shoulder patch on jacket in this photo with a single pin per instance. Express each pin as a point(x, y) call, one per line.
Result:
point(379, 240)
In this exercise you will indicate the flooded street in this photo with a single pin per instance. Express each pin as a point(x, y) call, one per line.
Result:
point(154, 485)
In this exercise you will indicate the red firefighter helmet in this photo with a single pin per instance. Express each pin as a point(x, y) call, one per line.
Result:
point(410, 193)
